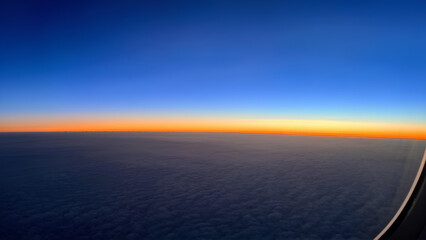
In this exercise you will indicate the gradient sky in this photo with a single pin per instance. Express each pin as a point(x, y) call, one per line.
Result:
point(330, 60)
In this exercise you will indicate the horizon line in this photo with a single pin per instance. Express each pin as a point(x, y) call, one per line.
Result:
point(266, 126)
point(236, 132)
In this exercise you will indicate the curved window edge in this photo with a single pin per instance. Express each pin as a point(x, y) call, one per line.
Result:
point(410, 220)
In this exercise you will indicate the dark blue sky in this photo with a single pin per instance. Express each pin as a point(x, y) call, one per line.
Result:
point(344, 60)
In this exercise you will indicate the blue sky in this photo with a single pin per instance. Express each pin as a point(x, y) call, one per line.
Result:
point(339, 60)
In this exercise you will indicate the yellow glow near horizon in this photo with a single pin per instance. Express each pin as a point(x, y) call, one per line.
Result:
point(276, 126)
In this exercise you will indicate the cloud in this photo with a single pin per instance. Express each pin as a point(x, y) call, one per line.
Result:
point(200, 186)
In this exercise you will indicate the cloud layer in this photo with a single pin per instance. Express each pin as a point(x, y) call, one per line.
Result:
point(200, 186)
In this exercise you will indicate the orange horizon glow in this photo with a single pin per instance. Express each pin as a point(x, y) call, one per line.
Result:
point(270, 126)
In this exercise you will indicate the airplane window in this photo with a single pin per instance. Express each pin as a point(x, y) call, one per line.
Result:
point(212, 119)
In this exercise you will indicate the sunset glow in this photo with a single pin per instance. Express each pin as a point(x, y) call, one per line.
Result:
point(275, 126)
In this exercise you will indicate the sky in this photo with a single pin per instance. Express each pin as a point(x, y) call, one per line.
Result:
point(93, 62)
